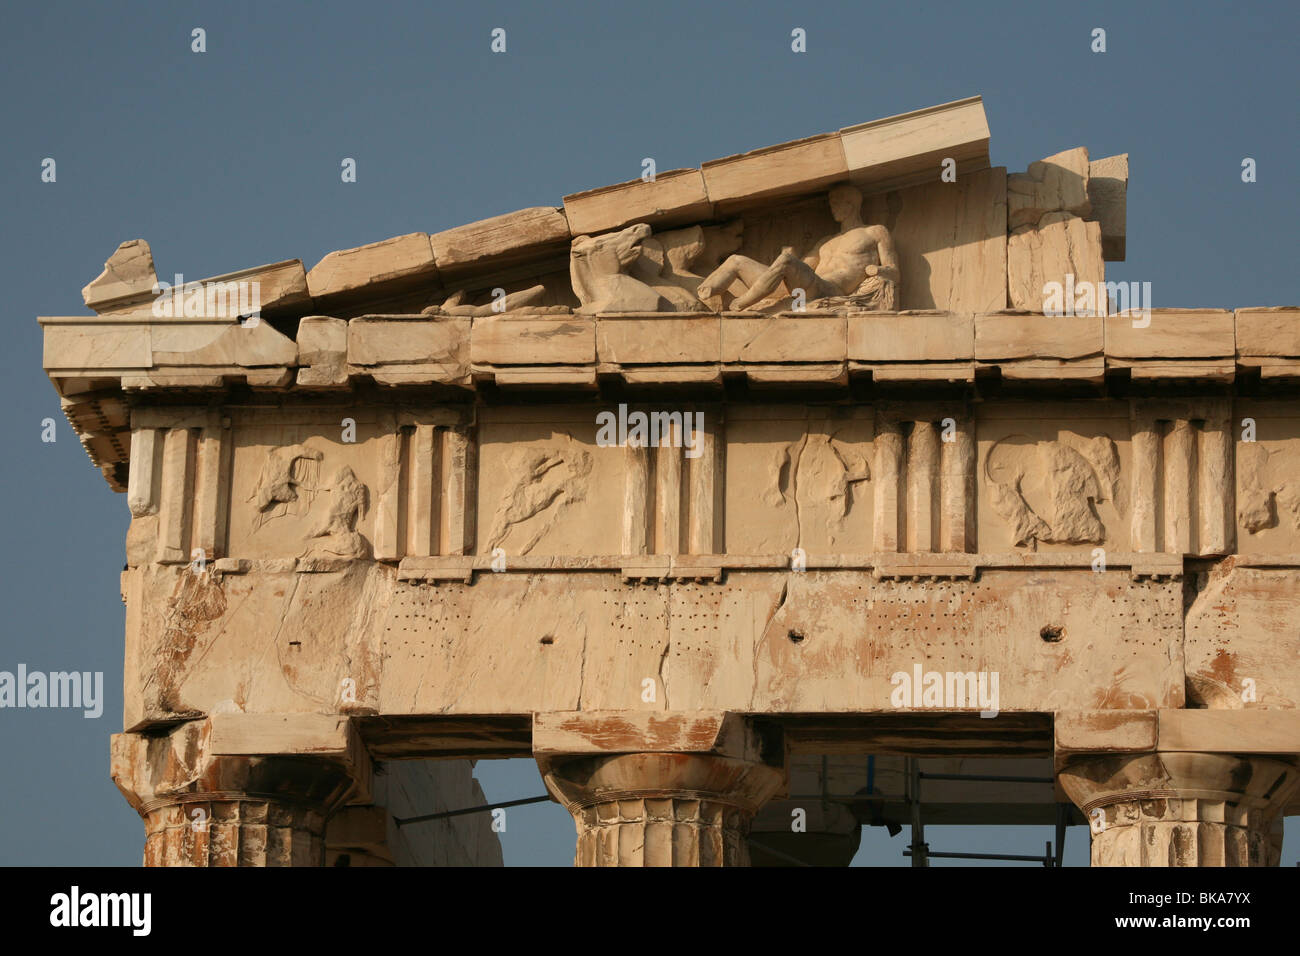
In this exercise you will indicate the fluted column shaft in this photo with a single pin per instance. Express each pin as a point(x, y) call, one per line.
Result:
point(243, 830)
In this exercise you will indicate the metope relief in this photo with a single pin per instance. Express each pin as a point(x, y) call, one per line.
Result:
point(800, 478)
point(1066, 482)
point(815, 479)
point(286, 484)
point(289, 484)
point(1268, 497)
point(335, 534)
point(544, 483)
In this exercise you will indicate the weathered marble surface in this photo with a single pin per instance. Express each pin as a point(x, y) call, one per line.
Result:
point(688, 481)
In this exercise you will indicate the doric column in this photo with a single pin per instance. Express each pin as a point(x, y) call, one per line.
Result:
point(1181, 808)
point(649, 789)
point(211, 795)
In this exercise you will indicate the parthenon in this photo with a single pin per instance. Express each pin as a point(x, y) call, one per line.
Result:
point(785, 475)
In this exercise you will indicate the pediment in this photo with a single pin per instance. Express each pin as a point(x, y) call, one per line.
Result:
point(667, 280)
point(923, 179)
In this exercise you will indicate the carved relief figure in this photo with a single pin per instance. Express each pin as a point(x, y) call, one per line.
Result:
point(1075, 479)
point(858, 264)
point(634, 271)
point(816, 474)
point(288, 485)
point(286, 472)
point(719, 242)
point(665, 265)
point(549, 481)
point(598, 267)
point(668, 261)
point(1261, 493)
point(455, 304)
point(338, 525)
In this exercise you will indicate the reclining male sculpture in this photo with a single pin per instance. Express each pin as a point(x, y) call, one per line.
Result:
point(859, 263)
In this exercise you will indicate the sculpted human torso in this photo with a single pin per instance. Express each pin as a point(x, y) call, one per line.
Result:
point(846, 259)
point(858, 261)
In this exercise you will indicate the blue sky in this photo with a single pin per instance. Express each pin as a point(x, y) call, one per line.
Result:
point(231, 158)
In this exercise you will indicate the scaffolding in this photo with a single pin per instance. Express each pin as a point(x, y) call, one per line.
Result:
point(917, 850)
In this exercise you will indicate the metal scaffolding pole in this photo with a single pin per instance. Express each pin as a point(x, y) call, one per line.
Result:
point(919, 851)
point(445, 814)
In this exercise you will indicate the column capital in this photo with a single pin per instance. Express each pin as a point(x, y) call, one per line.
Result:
point(585, 781)
point(217, 792)
point(659, 789)
point(1178, 808)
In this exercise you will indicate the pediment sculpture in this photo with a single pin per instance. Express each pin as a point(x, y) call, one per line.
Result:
point(636, 270)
